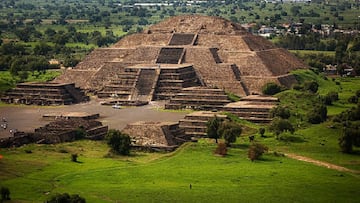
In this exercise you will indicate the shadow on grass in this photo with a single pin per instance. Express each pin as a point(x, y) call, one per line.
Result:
point(240, 146)
point(292, 138)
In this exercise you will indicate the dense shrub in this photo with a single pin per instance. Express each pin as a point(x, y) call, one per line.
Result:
point(230, 131)
point(221, 149)
point(119, 143)
point(66, 198)
point(353, 99)
point(256, 150)
point(5, 194)
point(311, 86)
point(74, 157)
point(279, 125)
point(262, 132)
point(280, 111)
point(318, 114)
point(331, 97)
point(350, 138)
point(271, 89)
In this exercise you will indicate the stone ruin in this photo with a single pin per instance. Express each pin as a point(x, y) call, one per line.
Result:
point(156, 136)
point(182, 52)
point(45, 94)
point(62, 128)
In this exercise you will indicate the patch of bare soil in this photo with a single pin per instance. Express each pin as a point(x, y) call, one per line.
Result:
point(321, 163)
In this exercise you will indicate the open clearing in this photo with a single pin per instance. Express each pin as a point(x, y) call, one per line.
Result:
point(157, 177)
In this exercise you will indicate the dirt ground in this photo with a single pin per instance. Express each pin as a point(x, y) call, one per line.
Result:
point(27, 118)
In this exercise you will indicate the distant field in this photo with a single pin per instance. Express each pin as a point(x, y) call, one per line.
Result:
point(304, 52)
point(157, 177)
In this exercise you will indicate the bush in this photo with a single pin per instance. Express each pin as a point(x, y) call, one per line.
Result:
point(318, 114)
point(256, 150)
point(230, 131)
point(350, 137)
point(74, 157)
point(262, 131)
point(280, 111)
point(311, 86)
point(279, 125)
point(66, 198)
point(5, 194)
point(331, 97)
point(119, 143)
point(221, 149)
point(353, 99)
point(271, 89)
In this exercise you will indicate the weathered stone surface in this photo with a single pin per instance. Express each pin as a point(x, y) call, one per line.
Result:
point(222, 54)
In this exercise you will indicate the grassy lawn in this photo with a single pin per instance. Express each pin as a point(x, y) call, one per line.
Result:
point(158, 177)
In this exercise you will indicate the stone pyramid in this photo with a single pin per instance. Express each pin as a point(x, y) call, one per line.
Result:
point(216, 51)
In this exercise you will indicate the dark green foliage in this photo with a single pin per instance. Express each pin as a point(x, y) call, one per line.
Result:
point(119, 143)
point(311, 86)
point(80, 133)
point(262, 131)
point(271, 89)
point(213, 126)
point(256, 150)
point(5, 194)
point(279, 125)
point(66, 198)
point(230, 131)
point(280, 111)
point(331, 97)
point(74, 157)
point(353, 99)
point(318, 115)
point(352, 114)
point(221, 149)
point(350, 137)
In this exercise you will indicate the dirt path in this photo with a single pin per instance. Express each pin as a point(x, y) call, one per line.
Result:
point(321, 163)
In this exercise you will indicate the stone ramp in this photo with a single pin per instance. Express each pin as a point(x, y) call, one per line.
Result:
point(145, 84)
point(173, 79)
point(169, 55)
point(182, 39)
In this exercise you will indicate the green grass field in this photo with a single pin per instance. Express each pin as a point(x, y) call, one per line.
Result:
point(157, 177)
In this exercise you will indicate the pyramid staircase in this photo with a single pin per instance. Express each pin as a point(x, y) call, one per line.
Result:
point(253, 108)
point(194, 124)
point(45, 94)
point(173, 80)
point(122, 86)
point(198, 98)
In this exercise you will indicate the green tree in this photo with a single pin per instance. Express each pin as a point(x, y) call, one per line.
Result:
point(229, 130)
point(119, 142)
point(279, 125)
point(350, 137)
point(311, 86)
point(280, 111)
point(213, 126)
